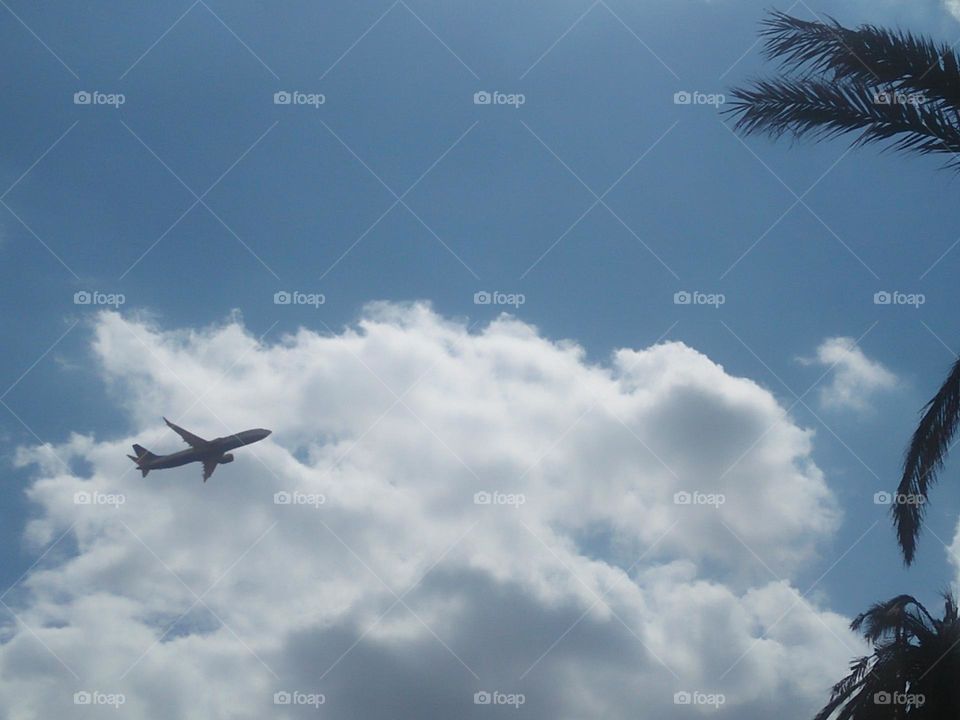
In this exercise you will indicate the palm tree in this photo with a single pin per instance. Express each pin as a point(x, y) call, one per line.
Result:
point(912, 671)
point(876, 85)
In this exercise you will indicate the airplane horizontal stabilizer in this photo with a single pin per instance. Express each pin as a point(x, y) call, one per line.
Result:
point(142, 458)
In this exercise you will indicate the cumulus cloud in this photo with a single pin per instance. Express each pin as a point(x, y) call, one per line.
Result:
point(473, 512)
point(856, 379)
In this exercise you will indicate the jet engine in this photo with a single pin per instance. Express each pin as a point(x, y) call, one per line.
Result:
point(227, 458)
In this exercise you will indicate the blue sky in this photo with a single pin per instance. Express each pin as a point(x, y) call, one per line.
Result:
point(598, 199)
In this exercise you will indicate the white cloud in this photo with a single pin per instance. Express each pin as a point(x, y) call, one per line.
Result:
point(855, 377)
point(953, 557)
point(597, 597)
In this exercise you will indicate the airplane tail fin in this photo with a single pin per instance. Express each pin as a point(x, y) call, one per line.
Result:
point(142, 457)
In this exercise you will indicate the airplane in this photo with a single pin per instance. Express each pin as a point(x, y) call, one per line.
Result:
point(209, 452)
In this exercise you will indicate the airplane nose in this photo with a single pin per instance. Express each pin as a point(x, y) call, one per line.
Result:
point(266, 432)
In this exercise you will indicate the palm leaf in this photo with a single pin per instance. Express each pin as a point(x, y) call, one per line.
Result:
point(869, 54)
point(812, 106)
point(884, 86)
point(924, 458)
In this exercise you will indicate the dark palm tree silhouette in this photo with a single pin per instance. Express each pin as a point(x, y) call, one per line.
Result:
point(884, 86)
point(912, 672)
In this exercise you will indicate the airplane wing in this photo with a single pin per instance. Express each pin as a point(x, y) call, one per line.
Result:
point(209, 466)
point(194, 441)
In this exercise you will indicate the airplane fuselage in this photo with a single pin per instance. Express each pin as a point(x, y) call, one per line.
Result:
point(216, 449)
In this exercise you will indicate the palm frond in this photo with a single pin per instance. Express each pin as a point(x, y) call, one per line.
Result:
point(901, 619)
point(869, 54)
point(883, 85)
point(924, 458)
point(813, 106)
